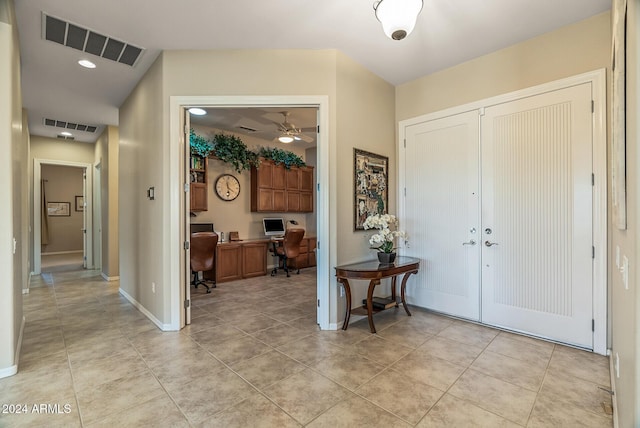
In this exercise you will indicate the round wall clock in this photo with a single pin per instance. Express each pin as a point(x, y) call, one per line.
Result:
point(227, 187)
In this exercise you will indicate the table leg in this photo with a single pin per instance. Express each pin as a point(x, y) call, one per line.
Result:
point(393, 288)
point(372, 286)
point(347, 292)
point(402, 288)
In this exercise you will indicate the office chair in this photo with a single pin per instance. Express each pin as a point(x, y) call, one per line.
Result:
point(203, 256)
point(289, 249)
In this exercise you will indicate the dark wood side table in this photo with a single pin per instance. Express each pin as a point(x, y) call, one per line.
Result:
point(374, 272)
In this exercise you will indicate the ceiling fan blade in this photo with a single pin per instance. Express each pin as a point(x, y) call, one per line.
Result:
point(306, 138)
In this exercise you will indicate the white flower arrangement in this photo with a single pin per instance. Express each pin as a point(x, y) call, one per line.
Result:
point(384, 239)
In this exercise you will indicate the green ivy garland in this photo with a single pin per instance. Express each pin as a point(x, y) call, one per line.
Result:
point(231, 149)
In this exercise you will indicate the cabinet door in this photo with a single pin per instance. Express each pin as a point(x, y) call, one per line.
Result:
point(293, 179)
point(265, 175)
point(265, 200)
point(302, 261)
point(254, 259)
point(278, 179)
point(279, 201)
point(293, 201)
point(198, 193)
point(306, 179)
point(306, 202)
point(228, 262)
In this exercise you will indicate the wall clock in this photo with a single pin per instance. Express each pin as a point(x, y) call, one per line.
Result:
point(227, 187)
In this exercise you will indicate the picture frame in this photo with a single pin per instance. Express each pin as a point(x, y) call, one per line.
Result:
point(59, 209)
point(80, 203)
point(371, 186)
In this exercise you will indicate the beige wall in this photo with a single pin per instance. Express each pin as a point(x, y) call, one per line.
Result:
point(236, 215)
point(107, 157)
point(625, 304)
point(571, 50)
point(63, 184)
point(13, 166)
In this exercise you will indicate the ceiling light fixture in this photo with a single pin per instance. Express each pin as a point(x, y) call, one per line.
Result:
point(86, 63)
point(197, 111)
point(398, 17)
point(66, 134)
point(285, 139)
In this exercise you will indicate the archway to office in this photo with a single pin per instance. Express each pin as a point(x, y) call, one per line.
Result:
point(179, 161)
point(84, 204)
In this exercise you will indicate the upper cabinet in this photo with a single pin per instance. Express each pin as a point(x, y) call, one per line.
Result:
point(198, 187)
point(277, 189)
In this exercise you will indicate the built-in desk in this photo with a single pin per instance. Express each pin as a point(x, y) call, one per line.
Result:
point(248, 258)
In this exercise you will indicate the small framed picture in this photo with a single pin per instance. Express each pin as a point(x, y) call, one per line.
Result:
point(59, 209)
point(371, 183)
point(79, 203)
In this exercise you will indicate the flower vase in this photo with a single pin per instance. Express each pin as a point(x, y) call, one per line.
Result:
point(386, 258)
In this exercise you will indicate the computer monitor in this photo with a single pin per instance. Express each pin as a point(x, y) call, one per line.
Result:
point(273, 226)
point(201, 227)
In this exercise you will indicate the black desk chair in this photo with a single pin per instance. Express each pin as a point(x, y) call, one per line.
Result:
point(288, 250)
point(203, 256)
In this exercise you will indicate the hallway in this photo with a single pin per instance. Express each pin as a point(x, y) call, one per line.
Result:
point(252, 358)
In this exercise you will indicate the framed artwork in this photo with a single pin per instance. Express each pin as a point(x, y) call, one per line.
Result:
point(79, 203)
point(618, 116)
point(371, 184)
point(59, 209)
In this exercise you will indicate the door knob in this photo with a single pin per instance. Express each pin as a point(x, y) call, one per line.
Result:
point(488, 231)
point(471, 242)
point(490, 244)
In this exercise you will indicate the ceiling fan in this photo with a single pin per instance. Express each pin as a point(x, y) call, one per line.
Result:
point(289, 132)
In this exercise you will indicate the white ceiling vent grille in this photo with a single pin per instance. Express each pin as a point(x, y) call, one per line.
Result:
point(66, 137)
point(70, 125)
point(82, 39)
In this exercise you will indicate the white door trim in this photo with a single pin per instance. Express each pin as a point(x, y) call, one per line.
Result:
point(37, 209)
point(597, 79)
point(326, 214)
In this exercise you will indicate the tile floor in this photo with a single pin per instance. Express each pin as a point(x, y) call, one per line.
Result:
point(254, 357)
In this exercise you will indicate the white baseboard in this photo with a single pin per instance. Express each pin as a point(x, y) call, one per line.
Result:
point(138, 305)
point(25, 291)
point(55, 253)
point(11, 370)
point(109, 278)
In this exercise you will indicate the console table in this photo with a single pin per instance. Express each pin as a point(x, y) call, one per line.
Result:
point(374, 272)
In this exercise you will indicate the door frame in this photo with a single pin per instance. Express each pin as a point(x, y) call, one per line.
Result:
point(597, 78)
point(325, 214)
point(37, 210)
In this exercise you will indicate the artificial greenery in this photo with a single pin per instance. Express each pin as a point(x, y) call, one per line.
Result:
point(231, 149)
point(279, 156)
point(199, 145)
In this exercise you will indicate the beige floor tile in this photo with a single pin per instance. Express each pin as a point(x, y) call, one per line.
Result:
point(157, 411)
point(431, 323)
point(510, 370)
point(183, 368)
point(551, 413)
point(91, 374)
point(256, 412)
point(454, 412)
point(449, 350)
point(117, 396)
point(380, 350)
point(400, 395)
point(356, 412)
point(561, 387)
point(39, 381)
point(236, 350)
point(344, 337)
point(310, 349)
point(255, 323)
point(535, 353)
point(405, 334)
point(215, 335)
point(55, 413)
point(279, 335)
point(210, 393)
point(98, 349)
point(581, 364)
point(267, 369)
point(306, 395)
point(308, 324)
point(505, 399)
point(429, 370)
point(348, 370)
point(469, 334)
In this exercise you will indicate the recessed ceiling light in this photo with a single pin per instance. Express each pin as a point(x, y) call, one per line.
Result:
point(285, 139)
point(86, 63)
point(66, 134)
point(197, 111)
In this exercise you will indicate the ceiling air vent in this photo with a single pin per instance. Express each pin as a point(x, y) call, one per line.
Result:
point(83, 39)
point(246, 128)
point(70, 125)
point(65, 137)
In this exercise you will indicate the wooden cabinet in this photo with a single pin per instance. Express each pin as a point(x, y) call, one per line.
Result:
point(254, 259)
point(228, 262)
point(198, 188)
point(277, 189)
point(237, 260)
point(307, 256)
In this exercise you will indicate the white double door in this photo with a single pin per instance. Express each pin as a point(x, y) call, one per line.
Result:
point(499, 206)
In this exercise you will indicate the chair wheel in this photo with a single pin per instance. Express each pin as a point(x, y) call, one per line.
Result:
point(208, 291)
